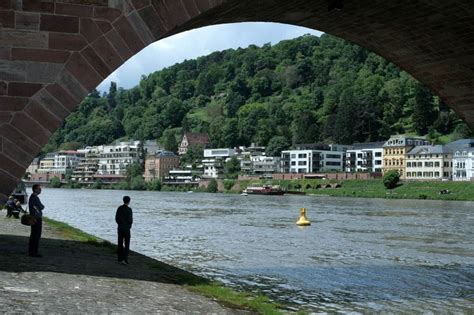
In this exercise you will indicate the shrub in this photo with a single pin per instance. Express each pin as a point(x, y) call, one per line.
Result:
point(137, 183)
point(212, 187)
point(154, 185)
point(390, 179)
point(228, 184)
point(55, 182)
point(97, 185)
point(422, 196)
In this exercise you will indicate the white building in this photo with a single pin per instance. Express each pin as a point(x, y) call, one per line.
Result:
point(429, 162)
point(212, 168)
point(63, 162)
point(365, 157)
point(176, 177)
point(114, 159)
point(463, 159)
point(327, 159)
point(262, 164)
point(218, 153)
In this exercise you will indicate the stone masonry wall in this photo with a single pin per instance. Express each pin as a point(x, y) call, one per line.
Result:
point(53, 52)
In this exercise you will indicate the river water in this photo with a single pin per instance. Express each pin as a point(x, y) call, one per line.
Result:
point(359, 255)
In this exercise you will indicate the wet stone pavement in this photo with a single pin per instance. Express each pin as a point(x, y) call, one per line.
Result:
point(75, 277)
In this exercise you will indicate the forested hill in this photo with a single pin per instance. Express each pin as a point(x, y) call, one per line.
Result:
point(304, 90)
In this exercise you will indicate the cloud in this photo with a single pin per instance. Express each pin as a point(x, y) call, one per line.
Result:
point(199, 42)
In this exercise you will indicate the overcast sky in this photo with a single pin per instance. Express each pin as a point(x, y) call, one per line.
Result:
point(199, 42)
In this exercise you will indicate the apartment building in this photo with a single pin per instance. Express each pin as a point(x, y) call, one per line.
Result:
point(63, 162)
point(262, 165)
point(114, 159)
point(158, 165)
point(395, 149)
point(365, 157)
point(87, 168)
point(324, 158)
point(429, 162)
point(463, 159)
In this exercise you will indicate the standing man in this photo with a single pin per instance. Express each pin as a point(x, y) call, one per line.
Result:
point(124, 219)
point(36, 210)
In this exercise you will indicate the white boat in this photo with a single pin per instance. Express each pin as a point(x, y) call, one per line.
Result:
point(244, 193)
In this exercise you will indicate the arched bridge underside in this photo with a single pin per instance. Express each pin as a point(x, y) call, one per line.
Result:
point(53, 52)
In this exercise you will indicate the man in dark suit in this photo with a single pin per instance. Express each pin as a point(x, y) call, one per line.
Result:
point(124, 219)
point(36, 210)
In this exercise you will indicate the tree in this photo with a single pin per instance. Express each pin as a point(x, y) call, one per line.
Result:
point(276, 145)
point(195, 152)
point(138, 183)
point(133, 170)
point(212, 187)
point(55, 182)
point(232, 166)
point(390, 179)
point(424, 114)
point(170, 139)
point(154, 185)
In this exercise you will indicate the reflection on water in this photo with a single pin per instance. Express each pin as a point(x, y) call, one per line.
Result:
point(359, 255)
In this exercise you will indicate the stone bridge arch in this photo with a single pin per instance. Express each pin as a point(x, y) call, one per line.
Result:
point(53, 52)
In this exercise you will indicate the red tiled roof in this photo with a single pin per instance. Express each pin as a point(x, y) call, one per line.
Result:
point(197, 138)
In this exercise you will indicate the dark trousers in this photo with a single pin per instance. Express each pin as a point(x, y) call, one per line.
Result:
point(123, 239)
point(35, 237)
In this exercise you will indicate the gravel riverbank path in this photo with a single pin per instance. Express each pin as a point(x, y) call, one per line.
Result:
point(77, 277)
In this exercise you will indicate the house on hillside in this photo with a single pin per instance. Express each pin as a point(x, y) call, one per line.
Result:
point(190, 139)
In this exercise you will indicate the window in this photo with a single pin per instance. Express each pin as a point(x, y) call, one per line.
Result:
point(301, 162)
point(302, 156)
point(378, 154)
point(436, 164)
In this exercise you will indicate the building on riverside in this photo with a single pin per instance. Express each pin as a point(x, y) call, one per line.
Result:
point(365, 157)
point(57, 164)
point(395, 149)
point(264, 165)
point(314, 158)
point(159, 164)
point(86, 169)
point(114, 159)
point(463, 159)
point(429, 162)
point(193, 139)
point(181, 177)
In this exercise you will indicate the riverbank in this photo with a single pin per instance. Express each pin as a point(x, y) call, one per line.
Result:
point(461, 191)
point(79, 274)
point(458, 191)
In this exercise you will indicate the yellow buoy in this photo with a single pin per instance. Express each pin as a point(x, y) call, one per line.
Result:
point(303, 221)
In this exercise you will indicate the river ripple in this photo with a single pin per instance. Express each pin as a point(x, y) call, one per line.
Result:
point(359, 255)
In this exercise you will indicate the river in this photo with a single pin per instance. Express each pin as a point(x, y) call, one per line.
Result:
point(359, 255)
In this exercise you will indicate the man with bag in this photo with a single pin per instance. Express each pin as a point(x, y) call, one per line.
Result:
point(124, 219)
point(36, 210)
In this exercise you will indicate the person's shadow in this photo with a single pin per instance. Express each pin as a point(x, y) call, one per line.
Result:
point(94, 259)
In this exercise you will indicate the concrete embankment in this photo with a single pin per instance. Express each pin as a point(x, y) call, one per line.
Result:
point(81, 277)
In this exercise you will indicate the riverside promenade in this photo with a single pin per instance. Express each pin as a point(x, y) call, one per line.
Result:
point(80, 277)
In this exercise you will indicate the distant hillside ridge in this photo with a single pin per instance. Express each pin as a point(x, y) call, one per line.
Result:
point(309, 89)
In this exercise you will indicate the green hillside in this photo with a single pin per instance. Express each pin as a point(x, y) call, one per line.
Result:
point(304, 90)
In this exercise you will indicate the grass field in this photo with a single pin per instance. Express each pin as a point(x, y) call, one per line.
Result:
point(376, 189)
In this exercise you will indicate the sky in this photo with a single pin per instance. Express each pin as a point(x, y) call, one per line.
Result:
point(199, 42)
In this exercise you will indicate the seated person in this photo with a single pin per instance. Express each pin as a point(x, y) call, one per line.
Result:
point(17, 209)
point(10, 206)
